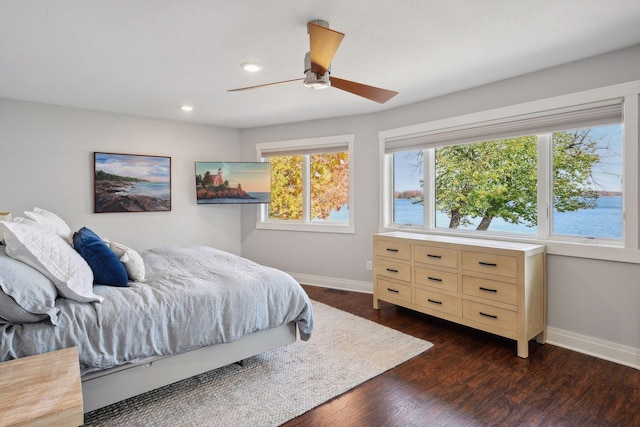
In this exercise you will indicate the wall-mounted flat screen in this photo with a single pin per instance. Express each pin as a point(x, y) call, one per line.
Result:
point(233, 182)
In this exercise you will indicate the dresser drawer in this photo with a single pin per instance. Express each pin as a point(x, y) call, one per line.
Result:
point(389, 289)
point(396, 250)
point(490, 289)
point(489, 315)
point(434, 255)
point(436, 301)
point(500, 265)
point(436, 278)
point(395, 270)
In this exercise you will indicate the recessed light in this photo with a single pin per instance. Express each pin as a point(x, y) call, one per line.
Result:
point(186, 108)
point(251, 67)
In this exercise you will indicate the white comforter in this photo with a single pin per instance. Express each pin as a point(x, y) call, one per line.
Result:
point(193, 297)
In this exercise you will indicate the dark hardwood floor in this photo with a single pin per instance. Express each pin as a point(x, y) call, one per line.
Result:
point(470, 378)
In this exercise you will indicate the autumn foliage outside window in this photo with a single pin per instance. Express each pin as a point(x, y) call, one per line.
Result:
point(286, 188)
point(324, 177)
point(329, 184)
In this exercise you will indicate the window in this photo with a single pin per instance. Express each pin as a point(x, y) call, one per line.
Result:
point(408, 195)
point(311, 185)
point(560, 171)
point(587, 183)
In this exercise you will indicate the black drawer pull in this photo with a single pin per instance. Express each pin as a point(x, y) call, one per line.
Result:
point(391, 270)
point(495, 291)
point(434, 279)
point(392, 250)
point(395, 291)
point(434, 256)
point(488, 315)
point(434, 301)
point(488, 264)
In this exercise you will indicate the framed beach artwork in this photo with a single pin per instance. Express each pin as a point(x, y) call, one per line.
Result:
point(131, 183)
point(233, 182)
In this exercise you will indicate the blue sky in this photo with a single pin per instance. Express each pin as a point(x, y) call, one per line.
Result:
point(150, 168)
point(608, 172)
point(407, 174)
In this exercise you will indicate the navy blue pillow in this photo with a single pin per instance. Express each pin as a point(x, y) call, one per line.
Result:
point(107, 268)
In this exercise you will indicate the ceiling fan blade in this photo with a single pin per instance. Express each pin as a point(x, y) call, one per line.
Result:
point(264, 85)
point(324, 44)
point(369, 92)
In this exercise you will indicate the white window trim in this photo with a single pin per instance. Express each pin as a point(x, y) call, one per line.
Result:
point(309, 145)
point(597, 250)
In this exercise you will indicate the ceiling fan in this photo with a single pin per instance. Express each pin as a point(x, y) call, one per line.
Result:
point(324, 43)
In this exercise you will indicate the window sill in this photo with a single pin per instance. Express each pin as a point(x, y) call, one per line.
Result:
point(308, 227)
point(553, 247)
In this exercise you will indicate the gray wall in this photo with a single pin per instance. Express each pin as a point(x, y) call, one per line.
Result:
point(46, 160)
point(598, 299)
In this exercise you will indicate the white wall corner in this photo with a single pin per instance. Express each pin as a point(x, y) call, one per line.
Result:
point(617, 353)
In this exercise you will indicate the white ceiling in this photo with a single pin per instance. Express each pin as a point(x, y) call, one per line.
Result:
point(148, 57)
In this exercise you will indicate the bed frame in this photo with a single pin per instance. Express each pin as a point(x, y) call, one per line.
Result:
point(103, 388)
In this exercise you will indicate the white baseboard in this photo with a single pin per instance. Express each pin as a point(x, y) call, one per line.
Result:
point(334, 283)
point(617, 353)
point(613, 352)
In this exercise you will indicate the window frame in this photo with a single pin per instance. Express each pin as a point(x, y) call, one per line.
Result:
point(627, 250)
point(309, 146)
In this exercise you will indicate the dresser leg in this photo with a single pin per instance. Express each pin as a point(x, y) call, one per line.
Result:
point(376, 303)
point(542, 337)
point(523, 348)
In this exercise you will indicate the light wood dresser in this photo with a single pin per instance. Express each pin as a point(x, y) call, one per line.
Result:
point(42, 390)
point(498, 287)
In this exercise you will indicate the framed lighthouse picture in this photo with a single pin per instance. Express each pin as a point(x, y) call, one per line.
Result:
point(233, 182)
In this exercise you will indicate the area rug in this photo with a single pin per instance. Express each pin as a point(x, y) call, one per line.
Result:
point(276, 386)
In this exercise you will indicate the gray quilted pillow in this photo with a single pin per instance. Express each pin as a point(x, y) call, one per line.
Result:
point(27, 295)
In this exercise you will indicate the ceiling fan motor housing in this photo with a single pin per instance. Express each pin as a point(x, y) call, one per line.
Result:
point(314, 80)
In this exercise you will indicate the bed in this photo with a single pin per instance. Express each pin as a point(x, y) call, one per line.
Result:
point(194, 309)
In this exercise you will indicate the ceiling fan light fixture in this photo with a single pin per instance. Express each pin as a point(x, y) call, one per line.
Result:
point(316, 81)
point(251, 67)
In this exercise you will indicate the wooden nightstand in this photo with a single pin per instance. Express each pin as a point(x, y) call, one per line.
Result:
point(42, 390)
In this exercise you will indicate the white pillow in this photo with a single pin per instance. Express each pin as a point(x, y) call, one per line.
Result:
point(52, 222)
point(53, 257)
point(131, 259)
